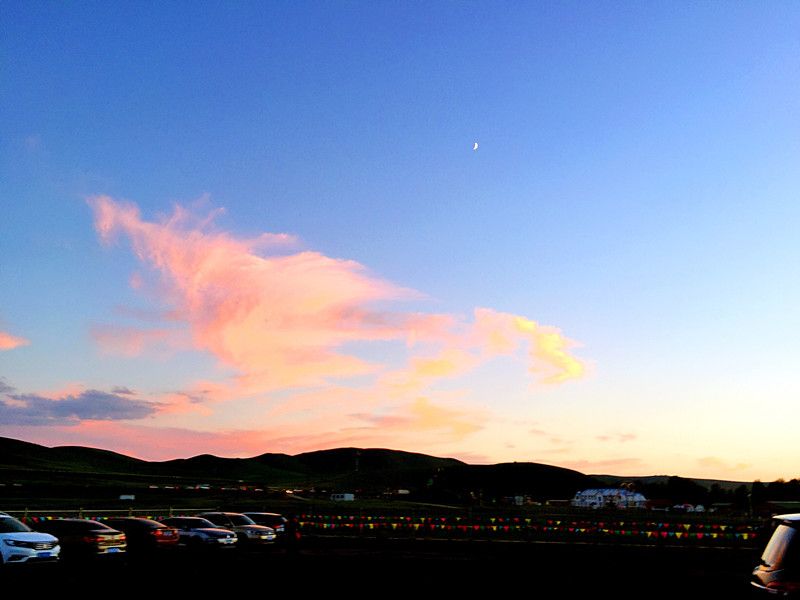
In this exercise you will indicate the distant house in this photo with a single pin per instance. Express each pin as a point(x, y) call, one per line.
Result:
point(345, 497)
point(608, 498)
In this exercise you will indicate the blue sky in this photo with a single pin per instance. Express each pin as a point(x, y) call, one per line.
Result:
point(634, 187)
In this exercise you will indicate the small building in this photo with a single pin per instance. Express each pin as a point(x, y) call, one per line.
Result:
point(345, 497)
point(608, 498)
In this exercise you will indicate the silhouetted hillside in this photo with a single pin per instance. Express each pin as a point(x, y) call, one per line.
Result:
point(369, 471)
point(18, 454)
point(536, 480)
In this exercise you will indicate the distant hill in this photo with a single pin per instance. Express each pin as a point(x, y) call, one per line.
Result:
point(724, 484)
point(541, 482)
point(342, 469)
point(18, 454)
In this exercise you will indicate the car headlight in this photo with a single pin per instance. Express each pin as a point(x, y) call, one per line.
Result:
point(14, 543)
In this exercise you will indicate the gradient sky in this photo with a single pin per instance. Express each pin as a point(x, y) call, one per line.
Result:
point(255, 227)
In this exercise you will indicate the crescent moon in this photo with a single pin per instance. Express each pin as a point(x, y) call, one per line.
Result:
point(475, 146)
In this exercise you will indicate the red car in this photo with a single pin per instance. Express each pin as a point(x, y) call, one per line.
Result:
point(144, 535)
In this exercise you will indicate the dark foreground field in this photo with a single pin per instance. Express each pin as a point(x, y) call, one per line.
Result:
point(363, 567)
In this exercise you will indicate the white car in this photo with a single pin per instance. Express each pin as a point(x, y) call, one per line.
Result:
point(20, 544)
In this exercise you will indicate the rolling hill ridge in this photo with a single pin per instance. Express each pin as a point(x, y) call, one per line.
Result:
point(369, 469)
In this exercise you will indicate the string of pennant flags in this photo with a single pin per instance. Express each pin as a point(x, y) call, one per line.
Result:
point(516, 525)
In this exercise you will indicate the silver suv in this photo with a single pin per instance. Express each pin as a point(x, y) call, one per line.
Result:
point(20, 544)
point(778, 571)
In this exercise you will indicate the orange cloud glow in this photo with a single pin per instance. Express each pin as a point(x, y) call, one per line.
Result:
point(9, 342)
point(502, 333)
point(130, 341)
point(284, 320)
point(279, 320)
point(713, 462)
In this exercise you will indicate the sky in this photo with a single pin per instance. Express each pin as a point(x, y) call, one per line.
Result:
point(239, 228)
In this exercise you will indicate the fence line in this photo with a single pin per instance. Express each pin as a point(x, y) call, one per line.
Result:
point(86, 513)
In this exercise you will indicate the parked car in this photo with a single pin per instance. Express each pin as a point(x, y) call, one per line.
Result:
point(197, 532)
point(245, 527)
point(269, 519)
point(144, 535)
point(778, 572)
point(21, 544)
point(84, 538)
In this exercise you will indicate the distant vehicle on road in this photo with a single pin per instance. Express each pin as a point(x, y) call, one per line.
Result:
point(84, 538)
point(778, 571)
point(196, 533)
point(21, 544)
point(245, 527)
point(144, 535)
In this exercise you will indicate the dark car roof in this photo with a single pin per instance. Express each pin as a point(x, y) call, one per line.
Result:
point(77, 525)
point(267, 517)
point(134, 522)
point(266, 514)
point(189, 520)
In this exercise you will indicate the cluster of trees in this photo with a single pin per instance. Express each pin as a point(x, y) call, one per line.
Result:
point(776, 491)
point(679, 490)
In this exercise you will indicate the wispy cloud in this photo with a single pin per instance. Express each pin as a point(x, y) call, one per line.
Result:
point(283, 320)
point(133, 341)
point(5, 388)
point(121, 389)
point(280, 320)
point(34, 409)
point(9, 342)
point(616, 437)
point(424, 415)
point(286, 322)
point(150, 442)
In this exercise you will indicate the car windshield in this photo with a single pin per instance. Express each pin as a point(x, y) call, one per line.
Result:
point(11, 525)
point(133, 523)
point(241, 520)
point(76, 525)
point(775, 552)
point(267, 519)
point(194, 523)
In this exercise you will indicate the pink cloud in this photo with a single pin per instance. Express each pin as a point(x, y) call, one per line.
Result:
point(72, 388)
point(9, 342)
point(503, 333)
point(285, 320)
point(132, 341)
point(424, 415)
point(279, 320)
point(166, 443)
point(616, 437)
